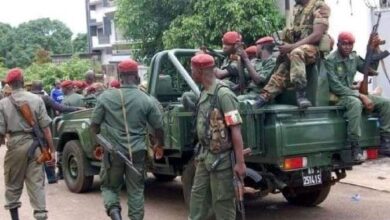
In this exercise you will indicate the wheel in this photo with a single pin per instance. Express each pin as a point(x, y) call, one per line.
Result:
point(74, 167)
point(164, 178)
point(311, 196)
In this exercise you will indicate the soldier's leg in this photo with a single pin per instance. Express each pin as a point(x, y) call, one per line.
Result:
point(135, 186)
point(275, 85)
point(200, 201)
point(353, 113)
point(35, 184)
point(249, 96)
point(222, 191)
point(382, 106)
point(299, 58)
point(111, 175)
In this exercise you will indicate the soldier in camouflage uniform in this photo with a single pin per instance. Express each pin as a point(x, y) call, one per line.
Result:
point(218, 128)
point(121, 116)
point(342, 66)
point(19, 167)
point(252, 53)
point(303, 43)
point(70, 97)
point(263, 69)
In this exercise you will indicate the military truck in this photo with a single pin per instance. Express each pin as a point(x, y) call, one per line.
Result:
point(299, 153)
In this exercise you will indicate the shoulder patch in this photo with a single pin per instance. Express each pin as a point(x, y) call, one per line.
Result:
point(233, 118)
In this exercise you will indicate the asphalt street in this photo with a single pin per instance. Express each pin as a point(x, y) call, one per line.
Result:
point(164, 202)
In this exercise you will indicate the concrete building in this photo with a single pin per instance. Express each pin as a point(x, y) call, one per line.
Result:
point(358, 18)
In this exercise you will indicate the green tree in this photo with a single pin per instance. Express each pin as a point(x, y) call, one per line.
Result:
point(145, 21)
point(80, 44)
point(211, 18)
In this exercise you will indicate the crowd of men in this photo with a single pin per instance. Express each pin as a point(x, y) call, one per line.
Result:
point(122, 115)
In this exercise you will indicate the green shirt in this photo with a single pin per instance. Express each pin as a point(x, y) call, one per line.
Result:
point(341, 72)
point(226, 102)
point(74, 99)
point(232, 67)
point(140, 109)
point(264, 70)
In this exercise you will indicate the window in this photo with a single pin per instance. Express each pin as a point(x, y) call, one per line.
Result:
point(92, 7)
point(384, 4)
point(93, 31)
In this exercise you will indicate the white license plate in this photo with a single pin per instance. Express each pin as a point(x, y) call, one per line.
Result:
point(311, 177)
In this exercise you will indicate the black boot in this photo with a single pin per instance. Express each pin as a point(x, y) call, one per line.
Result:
point(357, 153)
point(115, 214)
point(14, 214)
point(384, 149)
point(260, 102)
point(302, 101)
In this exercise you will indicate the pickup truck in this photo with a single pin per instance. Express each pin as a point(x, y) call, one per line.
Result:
point(299, 153)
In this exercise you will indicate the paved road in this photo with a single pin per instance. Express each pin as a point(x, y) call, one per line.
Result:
point(164, 202)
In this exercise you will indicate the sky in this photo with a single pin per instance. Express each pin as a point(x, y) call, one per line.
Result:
point(71, 12)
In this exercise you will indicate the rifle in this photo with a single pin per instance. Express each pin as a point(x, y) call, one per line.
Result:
point(38, 139)
point(239, 184)
point(371, 57)
point(211, 52)
point(102, 141)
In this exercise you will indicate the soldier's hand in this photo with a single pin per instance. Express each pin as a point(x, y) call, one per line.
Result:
point(285, 48)
point(367, 102)
point(376, 41)
point(53, 160)
point(158, 152)
point(240, 169)
point(243, 54)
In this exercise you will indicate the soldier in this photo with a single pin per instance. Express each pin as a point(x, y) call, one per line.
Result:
point(70, 97)
point(302, 46)
point(217, 113)
point(122, 115)
point(341, 66)
point(90, 78)
point(252, 52)
point(20, 167)
point(79, 86)
point(115, 84)
point(263, 68)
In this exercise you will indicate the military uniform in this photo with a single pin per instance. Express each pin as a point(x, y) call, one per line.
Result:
point(341, 72)
point(264, 70)
point(231, 65)
point(141, 110)
point(73, 99)
point(293, 70)
point(18, 167)
point(213, 187)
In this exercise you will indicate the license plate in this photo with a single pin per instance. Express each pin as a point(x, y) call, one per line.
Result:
point(311, 177)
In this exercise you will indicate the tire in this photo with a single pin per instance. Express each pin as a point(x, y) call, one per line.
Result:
point(164, 178)
point(74, 167)
point(307, 197)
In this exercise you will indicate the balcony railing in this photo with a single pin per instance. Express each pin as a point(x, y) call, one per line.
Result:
point(103, 39)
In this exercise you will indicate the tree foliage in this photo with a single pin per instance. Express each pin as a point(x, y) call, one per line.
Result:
point(80, 44)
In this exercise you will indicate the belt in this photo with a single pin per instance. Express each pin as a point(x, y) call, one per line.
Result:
point(18, 133)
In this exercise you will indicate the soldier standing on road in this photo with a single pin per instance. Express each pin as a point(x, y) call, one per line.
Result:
point(19, 168)
point(342, 66)
point(213, 185)
point(303, 44)
point(122, 116)
point(70, 97)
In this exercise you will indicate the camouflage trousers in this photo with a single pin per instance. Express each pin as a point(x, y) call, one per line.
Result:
point(291, 72)
point(20, 170)
point(354, 109)
point(112, 174)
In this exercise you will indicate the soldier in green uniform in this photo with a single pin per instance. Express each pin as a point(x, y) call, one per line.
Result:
point(303, 43)
point(70, 97)
point(122, 116)
point(263, 68)
point(218, 129)
point(19, 167)
point(342, 66)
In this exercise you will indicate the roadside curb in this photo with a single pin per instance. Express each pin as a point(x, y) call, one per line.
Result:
point(365, 187)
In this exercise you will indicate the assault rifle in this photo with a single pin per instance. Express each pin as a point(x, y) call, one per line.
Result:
point(102, 141)
point(371, 56)
point(38, 139)
point(238, 183)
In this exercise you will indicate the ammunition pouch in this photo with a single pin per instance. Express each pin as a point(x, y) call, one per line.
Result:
point(220, 140)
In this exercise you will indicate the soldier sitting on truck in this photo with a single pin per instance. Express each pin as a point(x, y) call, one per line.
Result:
point(303, 42)
point(263, 66)
point(341, 66)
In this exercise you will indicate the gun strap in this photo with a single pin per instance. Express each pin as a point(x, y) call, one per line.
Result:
point(125, 122)
point(385, 70)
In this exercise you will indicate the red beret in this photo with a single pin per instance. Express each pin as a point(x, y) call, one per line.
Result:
point(13, 75)
point(231, 37)
point(265, 40)
point(66, 83)
point(346, 37)
point(251, 50)
point(80, 84)
point(127, 66)
point(202, 61)
point(115, 84)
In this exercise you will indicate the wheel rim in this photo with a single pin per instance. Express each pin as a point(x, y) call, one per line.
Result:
point(73, 168)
